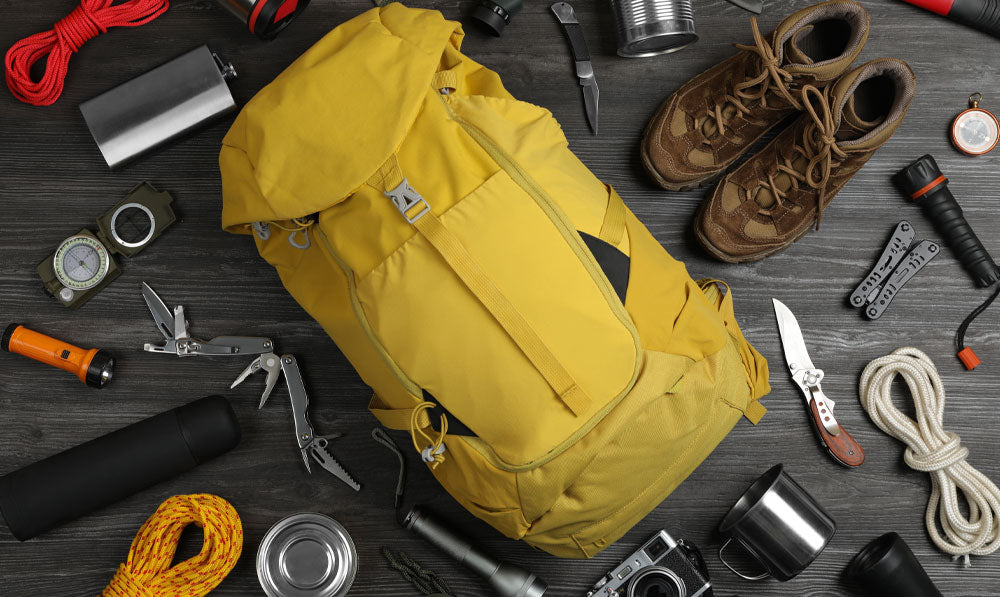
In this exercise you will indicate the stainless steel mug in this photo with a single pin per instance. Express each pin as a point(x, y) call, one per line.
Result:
point(779, 524)
point(651, 27)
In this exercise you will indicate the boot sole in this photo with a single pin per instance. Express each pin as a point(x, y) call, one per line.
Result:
point(721, 256)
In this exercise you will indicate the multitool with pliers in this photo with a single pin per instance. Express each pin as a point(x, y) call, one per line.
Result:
point(173, 326)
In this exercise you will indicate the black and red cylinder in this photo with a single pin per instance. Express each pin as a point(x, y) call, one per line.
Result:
point(265, 18)
point(979, 14)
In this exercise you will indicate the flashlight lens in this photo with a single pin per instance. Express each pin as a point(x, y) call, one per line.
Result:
point(101, 370)
point(107, 372)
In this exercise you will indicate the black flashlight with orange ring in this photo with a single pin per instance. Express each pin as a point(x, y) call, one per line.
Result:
point(924, 182)
point(926, 185)
point(978, 14)
point(94, 367)
point(265, 18)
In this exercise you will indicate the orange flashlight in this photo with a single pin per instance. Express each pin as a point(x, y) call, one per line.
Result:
point(94, 367)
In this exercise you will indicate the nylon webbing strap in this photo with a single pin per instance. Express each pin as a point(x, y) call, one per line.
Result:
point(397, 419)
point(445, 79)
point(453, 252)
point(451, 249)
point(388, 176)
point(754, 411)
point(613, 228)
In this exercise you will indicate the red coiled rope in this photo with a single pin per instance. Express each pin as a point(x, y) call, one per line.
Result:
point(88, 20)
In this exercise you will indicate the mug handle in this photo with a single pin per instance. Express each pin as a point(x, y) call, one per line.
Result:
point(734, 570)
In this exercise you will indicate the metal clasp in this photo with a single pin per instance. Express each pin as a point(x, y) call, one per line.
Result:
point(406, 198)
point(809, 380)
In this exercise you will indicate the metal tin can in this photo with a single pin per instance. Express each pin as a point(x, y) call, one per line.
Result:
point(651, 27)
point(307, 555)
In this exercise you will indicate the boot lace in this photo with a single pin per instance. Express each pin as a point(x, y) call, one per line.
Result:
point(771, 77)
point(819, 148)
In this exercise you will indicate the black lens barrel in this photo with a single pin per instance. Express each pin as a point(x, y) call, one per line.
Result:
point(923, 182)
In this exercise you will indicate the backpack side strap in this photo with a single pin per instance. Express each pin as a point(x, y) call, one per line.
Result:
point(753, 410)
point(613, 228)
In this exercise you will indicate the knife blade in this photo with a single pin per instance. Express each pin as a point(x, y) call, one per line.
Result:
point(591, 97)
point(792, 342)
point(837, 441)
point(163, 317)
point(581, 56)
point(754, 6)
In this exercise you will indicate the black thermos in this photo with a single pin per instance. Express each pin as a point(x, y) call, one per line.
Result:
point(887, 568)
point(923, 182)
point(64, 487)
point(980, 14)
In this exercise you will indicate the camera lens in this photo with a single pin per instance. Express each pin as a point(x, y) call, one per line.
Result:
point(657, 582)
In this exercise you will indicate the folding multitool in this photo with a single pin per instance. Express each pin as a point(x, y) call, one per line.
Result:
point(173, 326)
point(844, 448)
point(894, 268)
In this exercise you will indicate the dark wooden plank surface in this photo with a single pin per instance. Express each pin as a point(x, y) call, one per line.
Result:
point(53, 181)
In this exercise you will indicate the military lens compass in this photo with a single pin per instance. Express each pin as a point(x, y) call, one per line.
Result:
point(81, 262)
point(84, 263)
point(975, 131)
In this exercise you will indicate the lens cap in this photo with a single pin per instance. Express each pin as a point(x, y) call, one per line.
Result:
point(494, 16)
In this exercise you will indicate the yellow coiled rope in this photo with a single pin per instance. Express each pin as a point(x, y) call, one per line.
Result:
point(147, 572)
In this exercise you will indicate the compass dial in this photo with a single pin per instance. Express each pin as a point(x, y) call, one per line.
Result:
point(81, 262)
point(975, 131)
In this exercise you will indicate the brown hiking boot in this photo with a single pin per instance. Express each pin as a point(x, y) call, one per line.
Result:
point(775, 197)
point(715, 117)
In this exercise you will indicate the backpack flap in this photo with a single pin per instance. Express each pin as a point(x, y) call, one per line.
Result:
point(303, 144)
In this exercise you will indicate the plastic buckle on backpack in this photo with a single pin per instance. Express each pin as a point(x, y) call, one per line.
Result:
point(407, 200)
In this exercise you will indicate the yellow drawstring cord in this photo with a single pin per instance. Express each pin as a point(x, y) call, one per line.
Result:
point(433, 453)
point(298, 224)
point(147, 572)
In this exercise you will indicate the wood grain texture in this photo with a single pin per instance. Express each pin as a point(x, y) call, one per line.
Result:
point(843, 447)
point(53, 182)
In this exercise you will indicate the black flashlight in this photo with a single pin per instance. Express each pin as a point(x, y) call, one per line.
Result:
point(924, 182)
point(979, 14)
point(494, 15)
point(506, 580)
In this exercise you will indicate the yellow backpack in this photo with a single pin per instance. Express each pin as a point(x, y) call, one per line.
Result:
point(558, 371)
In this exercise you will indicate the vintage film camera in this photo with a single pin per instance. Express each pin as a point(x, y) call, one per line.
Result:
point(660, 568)
point(83, 264)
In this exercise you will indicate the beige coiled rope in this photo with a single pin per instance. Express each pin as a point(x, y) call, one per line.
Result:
point(935, 451)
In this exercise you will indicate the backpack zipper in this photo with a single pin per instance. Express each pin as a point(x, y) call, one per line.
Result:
point(558, 219)
point(359, 313)
point(521, 178)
